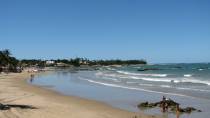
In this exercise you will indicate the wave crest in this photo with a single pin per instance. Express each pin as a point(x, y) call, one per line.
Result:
point(140, 74)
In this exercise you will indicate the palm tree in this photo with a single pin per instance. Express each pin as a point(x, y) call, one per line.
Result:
point(2, 59)
point(4, 55)
point(6, 52)
point(7, 61)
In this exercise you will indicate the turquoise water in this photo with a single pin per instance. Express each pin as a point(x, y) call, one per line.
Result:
point(125, 86)
point(179, 79)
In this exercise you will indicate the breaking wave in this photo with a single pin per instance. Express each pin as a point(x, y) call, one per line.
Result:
point(187, 75)
point(131, 88)
point(139, 74)
point(136, 76)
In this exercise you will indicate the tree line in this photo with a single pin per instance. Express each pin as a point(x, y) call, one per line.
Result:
point(11, 64)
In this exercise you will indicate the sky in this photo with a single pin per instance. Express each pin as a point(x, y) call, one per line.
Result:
point(159, 31)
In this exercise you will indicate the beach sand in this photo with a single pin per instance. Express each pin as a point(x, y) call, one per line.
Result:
point(15, 90)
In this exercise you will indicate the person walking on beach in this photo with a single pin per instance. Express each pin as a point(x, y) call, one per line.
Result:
point(32, 78)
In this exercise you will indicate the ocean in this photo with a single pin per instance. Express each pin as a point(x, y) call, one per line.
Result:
point(178, 79)
point(126, 86)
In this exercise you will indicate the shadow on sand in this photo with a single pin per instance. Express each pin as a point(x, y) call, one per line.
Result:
point(9, 106)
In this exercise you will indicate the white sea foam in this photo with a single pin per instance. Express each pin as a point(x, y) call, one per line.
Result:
point(112, 79)
point(195, 81)
point(168, 86)
point(138, 78)
point(108, 68)
point(187, 75)
point(110, 75)
point(155, 79)
point(99, 74)
point(131, 82)
point(140, 74)
point(146, 85)
point(165, 86)
point(137, 67)
point(131, 88)
point(192, 89)
point(153, 85)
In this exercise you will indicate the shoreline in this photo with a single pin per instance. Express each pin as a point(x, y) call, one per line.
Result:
point(14, 89)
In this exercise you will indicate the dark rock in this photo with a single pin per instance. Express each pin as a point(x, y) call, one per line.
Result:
point(169, 102)
point(144, 104)
point(171, 105)
point(147, 105)
point(199, 111)
point(173, 109)
point(185, 110)
point(188, 109)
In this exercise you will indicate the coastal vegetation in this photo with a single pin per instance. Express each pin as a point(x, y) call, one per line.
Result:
point(8, 63)
point(117, 62)
point(84, 61)
point(32, 62)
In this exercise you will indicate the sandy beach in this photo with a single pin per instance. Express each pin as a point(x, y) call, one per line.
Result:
point(15, 90)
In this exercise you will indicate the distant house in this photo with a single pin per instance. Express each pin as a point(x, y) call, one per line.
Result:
point(50, 62)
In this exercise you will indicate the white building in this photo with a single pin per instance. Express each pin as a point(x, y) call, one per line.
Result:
point(48, 62)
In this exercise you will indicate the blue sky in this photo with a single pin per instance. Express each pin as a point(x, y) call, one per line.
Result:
point(160, 31)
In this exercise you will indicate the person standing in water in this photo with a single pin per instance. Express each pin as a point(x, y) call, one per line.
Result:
point(164, 104)
point(177, 111)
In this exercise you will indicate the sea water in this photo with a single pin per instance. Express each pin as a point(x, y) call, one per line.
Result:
point(126, 86)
